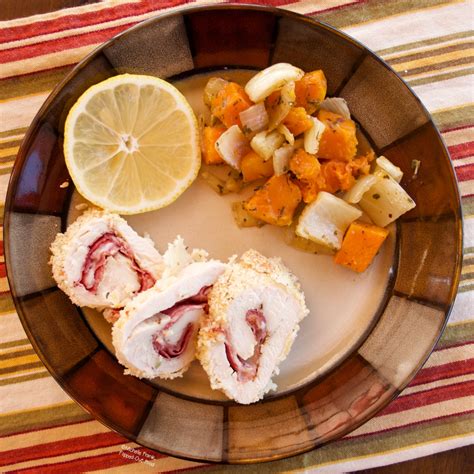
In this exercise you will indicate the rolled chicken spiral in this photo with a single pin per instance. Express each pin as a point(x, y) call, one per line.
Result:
point(155, 335)
point(101, 262)
point(255, 308)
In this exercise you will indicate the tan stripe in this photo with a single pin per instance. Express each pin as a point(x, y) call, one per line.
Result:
point(429, 47)
point(9, 151)
point(13, 132)
point(4, 282)
point(49, 435)
point(12, 140)
point(376, 10)
point(431, 51)
point(45, 416)
point(467, 269)
point(433, 60)
point(24, 378)
point(24, 372)
point(18, 352)
point(14, 344)
point(5, 144)
point(19, 361)
point(387, 52)
point(430, 78)
point(454, 116)
point(414, 26)
point(391, 451)
point(425, 9)
point(41, 81)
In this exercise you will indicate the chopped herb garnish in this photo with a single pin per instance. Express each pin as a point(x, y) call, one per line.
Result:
point(415, 166)
point(390, 215)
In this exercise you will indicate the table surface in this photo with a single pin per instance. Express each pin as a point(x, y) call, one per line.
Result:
point(455, 461)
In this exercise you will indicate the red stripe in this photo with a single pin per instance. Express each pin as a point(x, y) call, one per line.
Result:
point(87, 38)
point(3, 270)
point(429, 397)
point(408, 425)
point(84, 464)
point(69, 22)
point(462, 150)
point(91, 463)
point(454, 129)
point(61, 447)
point(445, 371)
point(61, 44)
point(465, 173)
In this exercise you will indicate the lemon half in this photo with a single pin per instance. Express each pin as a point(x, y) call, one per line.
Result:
point(131, 144)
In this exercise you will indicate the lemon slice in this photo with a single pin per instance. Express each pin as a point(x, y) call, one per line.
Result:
point(131, 144)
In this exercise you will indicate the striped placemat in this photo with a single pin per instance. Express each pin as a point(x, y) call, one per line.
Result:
point(430, 44)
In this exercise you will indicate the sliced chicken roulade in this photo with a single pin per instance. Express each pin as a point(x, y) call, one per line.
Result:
point(254, 310)
point(101, 262)
point(155, 335)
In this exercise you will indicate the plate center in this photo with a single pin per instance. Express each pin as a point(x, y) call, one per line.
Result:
point(343, 305)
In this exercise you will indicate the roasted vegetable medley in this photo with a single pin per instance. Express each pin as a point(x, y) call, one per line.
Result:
point(301, 149)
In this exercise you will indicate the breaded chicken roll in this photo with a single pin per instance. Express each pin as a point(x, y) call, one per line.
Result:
point(255, 307)
point(155, 335)
point(101, 262)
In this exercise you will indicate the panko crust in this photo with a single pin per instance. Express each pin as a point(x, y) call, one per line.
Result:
point(252, 270)
point(60, 248)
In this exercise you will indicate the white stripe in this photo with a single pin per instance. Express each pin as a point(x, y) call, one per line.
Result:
point(463, 309)
point(20, 112)
point(463, 161)
point(18, 396)
point(309, 6)
point(453, 354)
point(459, 136)
point(90, 28)
point(12, 330)
point(64, 12)
point(453, 92)
point(423, 413)
point(46, 61)
point(48, 435)
point(377, 459)
point(466, 188)
point(438, 383)
point(414, 26)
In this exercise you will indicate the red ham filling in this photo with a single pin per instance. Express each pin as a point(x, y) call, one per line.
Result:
point(169, 350)
point(247, 368)
point(109, 245)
